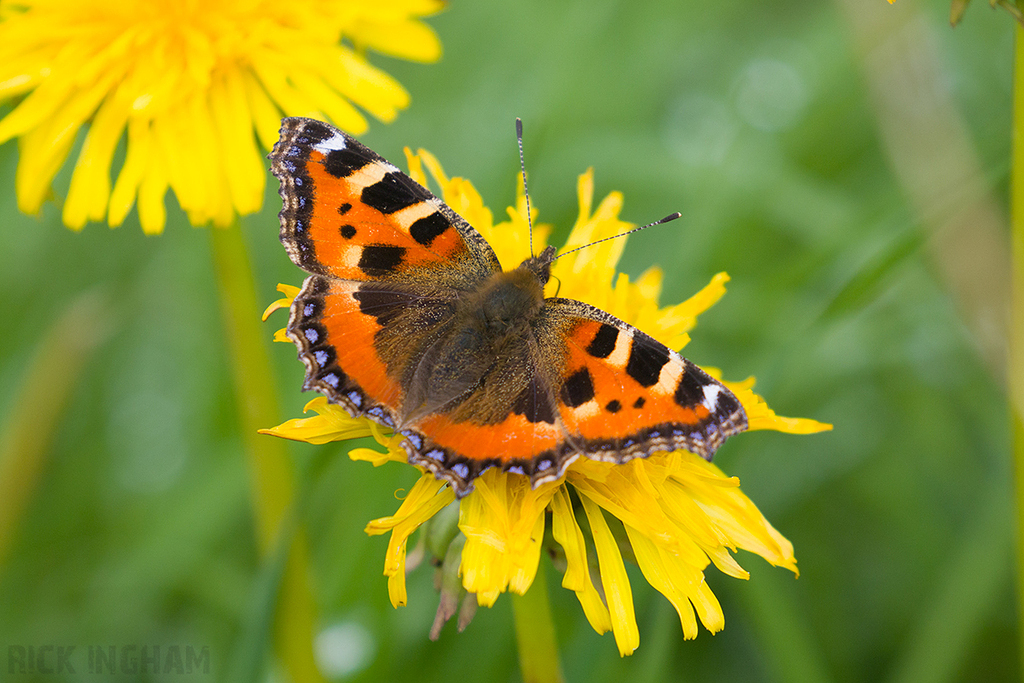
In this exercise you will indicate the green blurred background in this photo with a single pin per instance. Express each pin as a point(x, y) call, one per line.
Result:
point(845, 162)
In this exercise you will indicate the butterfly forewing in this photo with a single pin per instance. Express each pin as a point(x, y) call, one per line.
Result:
point(350, 214)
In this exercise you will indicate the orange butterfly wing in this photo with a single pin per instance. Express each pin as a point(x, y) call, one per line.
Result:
point(385, 254)
point(624, 394)
point(349, 214)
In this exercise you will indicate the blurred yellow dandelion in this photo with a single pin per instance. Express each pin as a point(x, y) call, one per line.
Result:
point(190, 82)
point(680, 513)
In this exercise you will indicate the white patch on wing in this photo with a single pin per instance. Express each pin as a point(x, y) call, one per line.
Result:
point(335, 142)
point(711, 392)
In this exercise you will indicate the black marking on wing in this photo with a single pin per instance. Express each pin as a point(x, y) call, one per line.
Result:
point(426, 229)
point(578, 389)
point(384, 305)
point(394, 192)
point(603, 343)
point(690, 391)
point(377, 260)
point(646, 359)
point(728, 405)
point(342, 163)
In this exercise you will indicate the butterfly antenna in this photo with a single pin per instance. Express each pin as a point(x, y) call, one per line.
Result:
point(522, 165)
point(666, 219)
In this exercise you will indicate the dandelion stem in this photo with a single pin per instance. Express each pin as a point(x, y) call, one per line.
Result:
point(535, 633)
point(1015, 376)
point(27, 431)
point(269, 465)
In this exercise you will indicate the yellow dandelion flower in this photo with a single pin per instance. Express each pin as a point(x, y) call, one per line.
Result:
point(194, 84)
point(680, 513)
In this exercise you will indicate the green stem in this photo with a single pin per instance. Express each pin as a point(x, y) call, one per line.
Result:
point(535, 633)
point(1015, 377)
point(270, 467)
point(36, 411)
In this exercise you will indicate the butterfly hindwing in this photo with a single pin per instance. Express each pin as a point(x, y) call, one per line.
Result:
point(507, 420)
point(336, 325)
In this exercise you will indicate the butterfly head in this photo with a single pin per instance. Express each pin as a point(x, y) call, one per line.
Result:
point(540, 265)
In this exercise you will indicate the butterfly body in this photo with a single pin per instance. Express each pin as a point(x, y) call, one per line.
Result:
point(489, 334)
point(408, 318)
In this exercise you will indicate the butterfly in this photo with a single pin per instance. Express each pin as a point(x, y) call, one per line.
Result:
point(407, 318)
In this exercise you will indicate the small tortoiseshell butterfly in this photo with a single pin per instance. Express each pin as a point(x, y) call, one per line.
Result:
point(408, 319)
